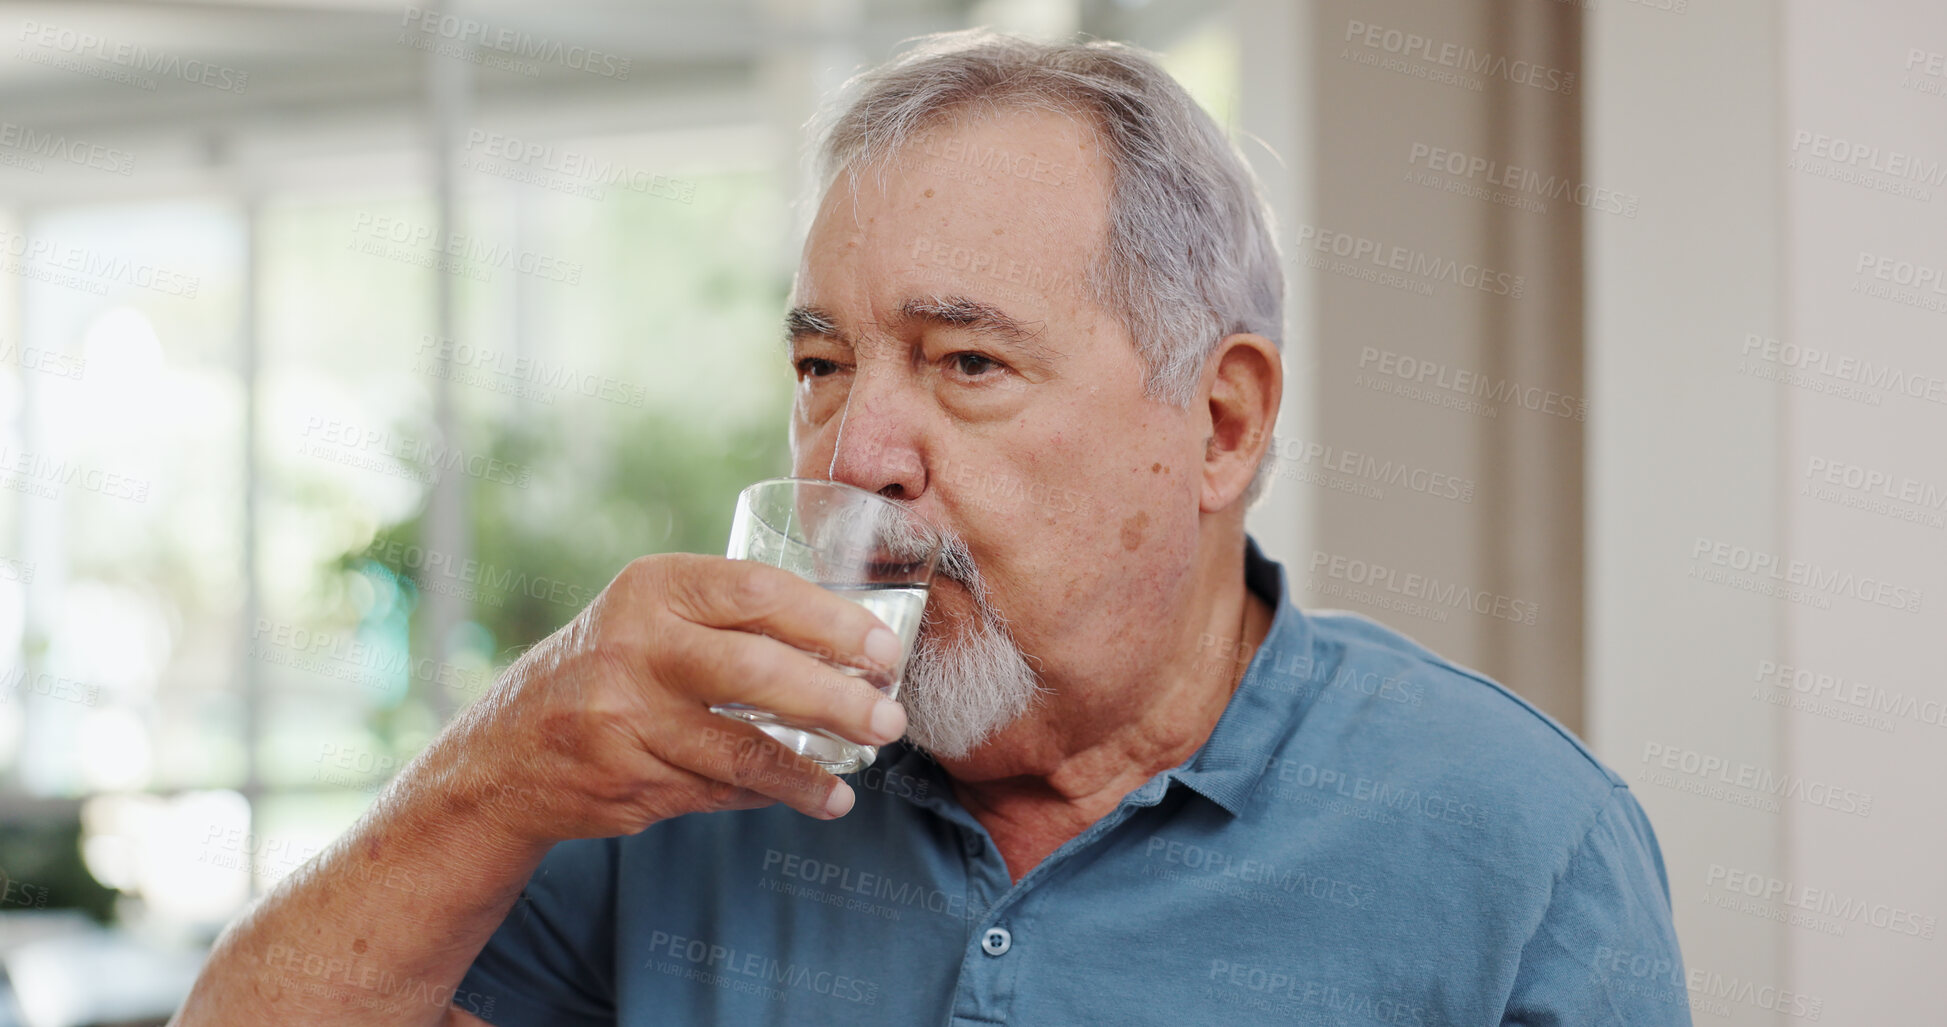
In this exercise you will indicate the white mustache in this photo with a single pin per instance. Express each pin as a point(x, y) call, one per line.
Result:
point(911, 537)
point(957, 562)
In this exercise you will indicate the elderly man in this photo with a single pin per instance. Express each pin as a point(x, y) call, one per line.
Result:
point(1039, 305)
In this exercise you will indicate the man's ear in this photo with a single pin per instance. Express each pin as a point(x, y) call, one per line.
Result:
point(1242, 386)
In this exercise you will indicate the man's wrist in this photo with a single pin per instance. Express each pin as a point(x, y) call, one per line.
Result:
point(463, 812)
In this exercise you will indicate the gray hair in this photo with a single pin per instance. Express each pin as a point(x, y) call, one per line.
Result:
point(1190, 256)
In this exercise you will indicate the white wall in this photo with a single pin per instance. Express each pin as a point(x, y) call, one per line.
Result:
point(1275, 110)
point(1693, 443)
point(1844, 67)
point(1437, 312)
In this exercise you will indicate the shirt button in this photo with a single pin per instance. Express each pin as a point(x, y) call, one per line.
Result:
point(996, 941)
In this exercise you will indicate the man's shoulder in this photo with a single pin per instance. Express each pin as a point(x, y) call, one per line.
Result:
point(1416, 720)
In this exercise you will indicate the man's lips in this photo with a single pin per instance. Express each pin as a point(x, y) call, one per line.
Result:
point(951, 586)
point(947, 597)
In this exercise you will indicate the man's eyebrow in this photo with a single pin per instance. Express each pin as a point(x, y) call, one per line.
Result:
point(803, 321)
point(950, 311)
point(975, 316)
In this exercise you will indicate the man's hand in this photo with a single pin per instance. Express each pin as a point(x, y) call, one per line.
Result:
point(605, 727)
point(601, 730)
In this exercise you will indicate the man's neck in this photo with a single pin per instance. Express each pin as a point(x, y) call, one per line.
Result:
point(1066, 763)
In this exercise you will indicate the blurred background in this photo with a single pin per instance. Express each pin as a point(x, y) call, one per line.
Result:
point(348, 347)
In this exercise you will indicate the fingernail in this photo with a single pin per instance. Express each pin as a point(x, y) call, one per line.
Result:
point(882, 647)
point(888, 720)
point(840, 802)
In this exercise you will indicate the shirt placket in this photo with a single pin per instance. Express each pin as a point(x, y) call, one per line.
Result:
point(1004, 936)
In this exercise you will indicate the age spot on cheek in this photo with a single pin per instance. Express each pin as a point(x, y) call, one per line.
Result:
point(1132, 530)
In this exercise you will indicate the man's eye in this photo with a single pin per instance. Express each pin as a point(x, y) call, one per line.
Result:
point(972, 364)
point(817, 367)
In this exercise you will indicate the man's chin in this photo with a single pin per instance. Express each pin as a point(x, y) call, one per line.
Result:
point(973, 753)
point(967, 680)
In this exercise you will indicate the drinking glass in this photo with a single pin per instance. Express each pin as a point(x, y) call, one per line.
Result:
point(859, 544)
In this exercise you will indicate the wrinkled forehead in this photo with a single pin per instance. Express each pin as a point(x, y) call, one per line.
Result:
point(1011, 205)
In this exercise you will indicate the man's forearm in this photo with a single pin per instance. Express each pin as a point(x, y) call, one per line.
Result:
point(381, 926)
point(601, 730)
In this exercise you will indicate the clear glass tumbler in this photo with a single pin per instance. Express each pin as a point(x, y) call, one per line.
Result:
point(859, 544)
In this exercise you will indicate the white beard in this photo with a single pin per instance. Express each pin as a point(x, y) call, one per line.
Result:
point(959, 690)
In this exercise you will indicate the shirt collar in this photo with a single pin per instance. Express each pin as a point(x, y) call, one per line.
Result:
point(1227, 767)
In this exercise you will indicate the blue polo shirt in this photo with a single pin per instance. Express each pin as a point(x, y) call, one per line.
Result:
point(1370, 835)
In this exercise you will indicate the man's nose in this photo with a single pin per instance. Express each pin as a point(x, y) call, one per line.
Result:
point(878, 447)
